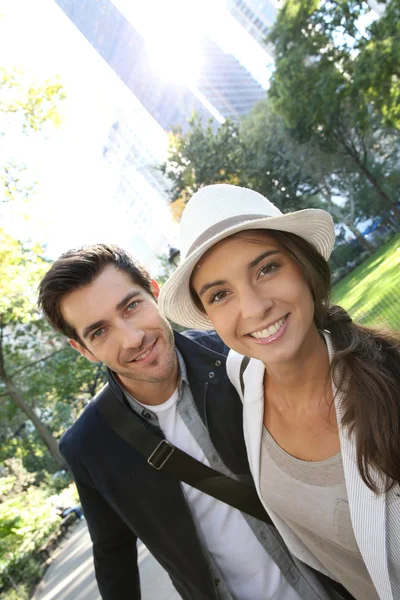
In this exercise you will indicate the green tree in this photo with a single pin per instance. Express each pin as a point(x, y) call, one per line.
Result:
point(200, 157)
point(261, 153)
point(44, 384)
point(285, 172)
point(27, 108)
point(298, 175)
point(377, 65)
point(29, 104)
point(21, 267)
point(165, 269)
point(252, 154)
point(314, 86)
point(41, 378)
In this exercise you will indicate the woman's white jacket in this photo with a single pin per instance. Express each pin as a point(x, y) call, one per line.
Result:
point(372, 515)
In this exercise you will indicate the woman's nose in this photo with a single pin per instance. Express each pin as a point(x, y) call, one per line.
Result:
point(253, 305)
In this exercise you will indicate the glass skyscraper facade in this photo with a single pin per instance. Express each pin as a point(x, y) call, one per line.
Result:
point(257, 17)
point(224, 89)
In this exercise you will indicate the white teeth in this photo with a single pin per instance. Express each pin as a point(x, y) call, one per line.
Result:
point(264, 333)
point(143, 355)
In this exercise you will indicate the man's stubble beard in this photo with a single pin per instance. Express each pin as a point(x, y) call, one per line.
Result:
point(169, 367)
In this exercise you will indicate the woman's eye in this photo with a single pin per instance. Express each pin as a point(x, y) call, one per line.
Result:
point(217, 297)
point(269, 268)
point(132, 305)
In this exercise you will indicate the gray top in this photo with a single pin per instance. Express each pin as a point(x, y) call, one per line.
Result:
point(317, 511)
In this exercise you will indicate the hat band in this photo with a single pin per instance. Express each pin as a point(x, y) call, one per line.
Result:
point(221, 226)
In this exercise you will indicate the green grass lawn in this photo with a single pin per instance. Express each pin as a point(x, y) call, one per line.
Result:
point(371, 293)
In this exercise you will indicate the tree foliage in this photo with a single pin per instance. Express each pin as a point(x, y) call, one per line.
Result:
point(42, 379)
point(28, 104)
point(255, 154)
point(21, 267)
point(320, 87)
point(201, 156)
point(321, 138)
point(43, 383)
point(376, 72)
point(27, 108)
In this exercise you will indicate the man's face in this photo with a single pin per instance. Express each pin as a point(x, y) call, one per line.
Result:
point(121, 326)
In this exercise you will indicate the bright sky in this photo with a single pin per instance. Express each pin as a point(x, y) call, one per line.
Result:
point(72, 206)
point(175, 35)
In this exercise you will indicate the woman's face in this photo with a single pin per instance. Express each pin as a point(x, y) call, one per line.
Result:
point(256, 297)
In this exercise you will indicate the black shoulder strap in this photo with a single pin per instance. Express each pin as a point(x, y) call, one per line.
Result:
point(161, 455)
point(243, 366)
point(164, 456)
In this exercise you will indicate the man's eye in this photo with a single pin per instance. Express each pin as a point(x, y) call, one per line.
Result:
point(132, 305)
point(97, 333)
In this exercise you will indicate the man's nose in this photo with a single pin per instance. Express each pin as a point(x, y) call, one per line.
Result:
point(253, 305)
point(130, 336)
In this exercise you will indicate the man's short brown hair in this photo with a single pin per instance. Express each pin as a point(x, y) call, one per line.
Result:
point(78, 268)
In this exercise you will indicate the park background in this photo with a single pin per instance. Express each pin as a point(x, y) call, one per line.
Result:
point(111, 118)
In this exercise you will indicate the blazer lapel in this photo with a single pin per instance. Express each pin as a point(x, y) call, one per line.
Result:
point(367, 509)
point(368, 515)
point(253, 408)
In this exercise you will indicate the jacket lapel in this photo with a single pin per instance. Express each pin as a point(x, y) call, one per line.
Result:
point(368, 516)
point(253, 407)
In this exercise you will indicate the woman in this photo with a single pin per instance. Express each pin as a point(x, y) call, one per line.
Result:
point(321, 394)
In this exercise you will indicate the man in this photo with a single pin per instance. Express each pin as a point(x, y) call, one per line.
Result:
point(104, 302)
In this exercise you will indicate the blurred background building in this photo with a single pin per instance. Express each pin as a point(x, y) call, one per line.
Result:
point(257, 17)
point(219, 87)
point(224, 88)
point(134, 146)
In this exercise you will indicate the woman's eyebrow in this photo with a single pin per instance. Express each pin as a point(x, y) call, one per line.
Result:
point(207, 286)
point(255, 262)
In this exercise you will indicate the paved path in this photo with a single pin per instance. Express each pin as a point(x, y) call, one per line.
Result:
point(71, 575)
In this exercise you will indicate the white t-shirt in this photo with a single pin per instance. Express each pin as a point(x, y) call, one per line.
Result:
point(249, 572)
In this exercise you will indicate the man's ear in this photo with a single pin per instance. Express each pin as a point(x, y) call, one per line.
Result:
point(82, 350)
point(155, 289)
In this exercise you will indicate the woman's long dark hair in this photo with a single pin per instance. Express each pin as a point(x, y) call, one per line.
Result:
point(365, 367)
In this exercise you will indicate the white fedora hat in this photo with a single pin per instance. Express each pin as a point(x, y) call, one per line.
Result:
point(218, 211)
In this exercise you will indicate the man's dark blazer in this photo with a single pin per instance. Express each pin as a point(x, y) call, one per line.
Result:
point(123, 498)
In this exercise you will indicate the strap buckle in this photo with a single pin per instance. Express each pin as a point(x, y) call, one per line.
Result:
point(161, 455)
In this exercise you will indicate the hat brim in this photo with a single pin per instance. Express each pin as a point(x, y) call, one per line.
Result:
point(175, 300)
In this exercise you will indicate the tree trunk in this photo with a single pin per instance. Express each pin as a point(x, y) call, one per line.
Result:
point(357, 234)
point(380, 191)
point(42, 429)
point(396, 211)
point(371, 178)
point(336, 212)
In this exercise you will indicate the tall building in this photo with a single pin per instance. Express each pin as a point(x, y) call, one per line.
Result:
point(126, 52)
point(226, 84)
point(133, 150)
point(225, 89)
point(377, 7)
point(257, 17)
